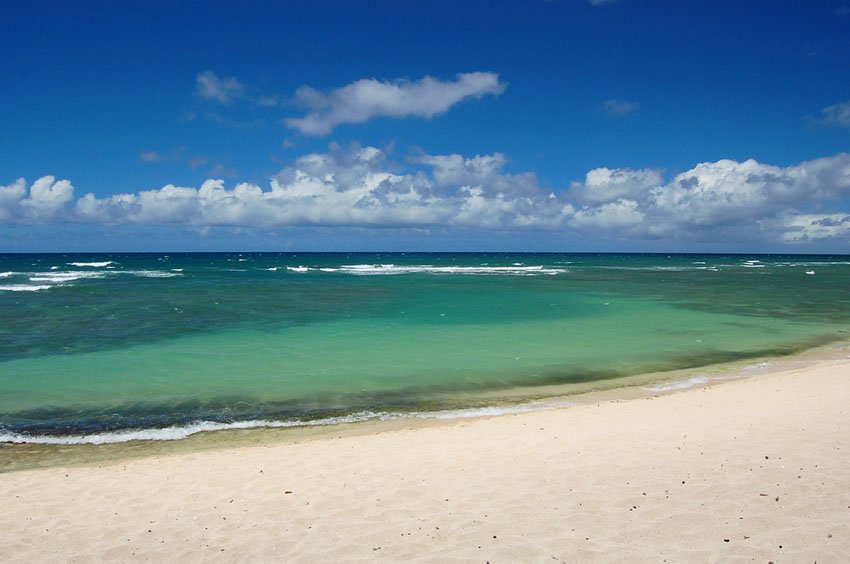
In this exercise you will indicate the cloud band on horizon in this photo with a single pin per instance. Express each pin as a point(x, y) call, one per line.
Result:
point(360, 187)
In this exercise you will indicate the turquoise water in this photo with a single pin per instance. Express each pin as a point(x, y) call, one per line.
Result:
point(101, 348)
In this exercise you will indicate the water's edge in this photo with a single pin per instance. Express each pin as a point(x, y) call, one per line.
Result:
point(110, 448)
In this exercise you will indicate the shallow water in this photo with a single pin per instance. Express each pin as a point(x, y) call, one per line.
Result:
point(99, 348)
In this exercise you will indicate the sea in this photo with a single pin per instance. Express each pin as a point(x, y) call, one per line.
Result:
point(106, 348)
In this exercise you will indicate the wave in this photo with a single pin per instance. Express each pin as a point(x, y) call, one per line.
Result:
point(680, 385)
point(687, 268)
point(177, 432)
point(393, 269)
point(812, 263)
point(92, 264)
point(63, 277)
point(23, 288)
point(51, 279)
point(149, 273)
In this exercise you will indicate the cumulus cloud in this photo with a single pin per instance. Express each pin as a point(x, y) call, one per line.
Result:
point(723, 195)
point(209, 86)
point(803, 228)
point(362, 186)
point(364, 99)
point(44, 202)
point(607, 185)
point(619, 108)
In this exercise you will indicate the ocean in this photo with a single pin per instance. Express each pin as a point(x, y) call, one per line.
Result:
point(101, 348)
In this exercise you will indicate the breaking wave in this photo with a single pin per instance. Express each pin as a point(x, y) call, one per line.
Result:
point(177, 432)
point(394, 269)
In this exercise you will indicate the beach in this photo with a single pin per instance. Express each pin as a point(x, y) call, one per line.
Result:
point(747, 470)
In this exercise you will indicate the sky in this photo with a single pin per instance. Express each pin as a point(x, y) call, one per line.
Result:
point(561, 125)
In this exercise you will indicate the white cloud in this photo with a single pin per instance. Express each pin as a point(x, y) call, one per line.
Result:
point(157, 157)
point(364, 99)
point(209, 86)
point(619, 108)
point(603, 185)
point(150, 157)
point(10, 199)
point(48, 196)
point(803, 228)
point(268, 101)
point(621, 216)
point(837, 115)
point(361, 186)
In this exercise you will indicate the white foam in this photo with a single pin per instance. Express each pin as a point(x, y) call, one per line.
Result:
point(655, 268)
point(814, 263)
point(92, 264)
point(680, 385)
point(392, 269)
point(178, 432)
point(8, 274)
point(63, 277)
point(298, 269)
point(151, 273)
point(23, 288)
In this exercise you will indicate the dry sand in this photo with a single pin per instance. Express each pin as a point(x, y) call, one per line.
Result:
point(750, 470)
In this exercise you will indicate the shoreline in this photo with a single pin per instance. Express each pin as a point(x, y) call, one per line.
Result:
point(19, 456)
point(753, 468)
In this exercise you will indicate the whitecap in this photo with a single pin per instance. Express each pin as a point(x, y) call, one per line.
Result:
point(151, 273)
point(62, 277)
point(92, 264)
point(299, 268)
point(392, 269)
point(23, 288)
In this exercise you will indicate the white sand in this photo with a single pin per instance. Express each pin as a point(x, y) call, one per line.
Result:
point(756, 469)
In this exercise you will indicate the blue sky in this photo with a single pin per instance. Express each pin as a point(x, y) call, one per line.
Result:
point(560, 125)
